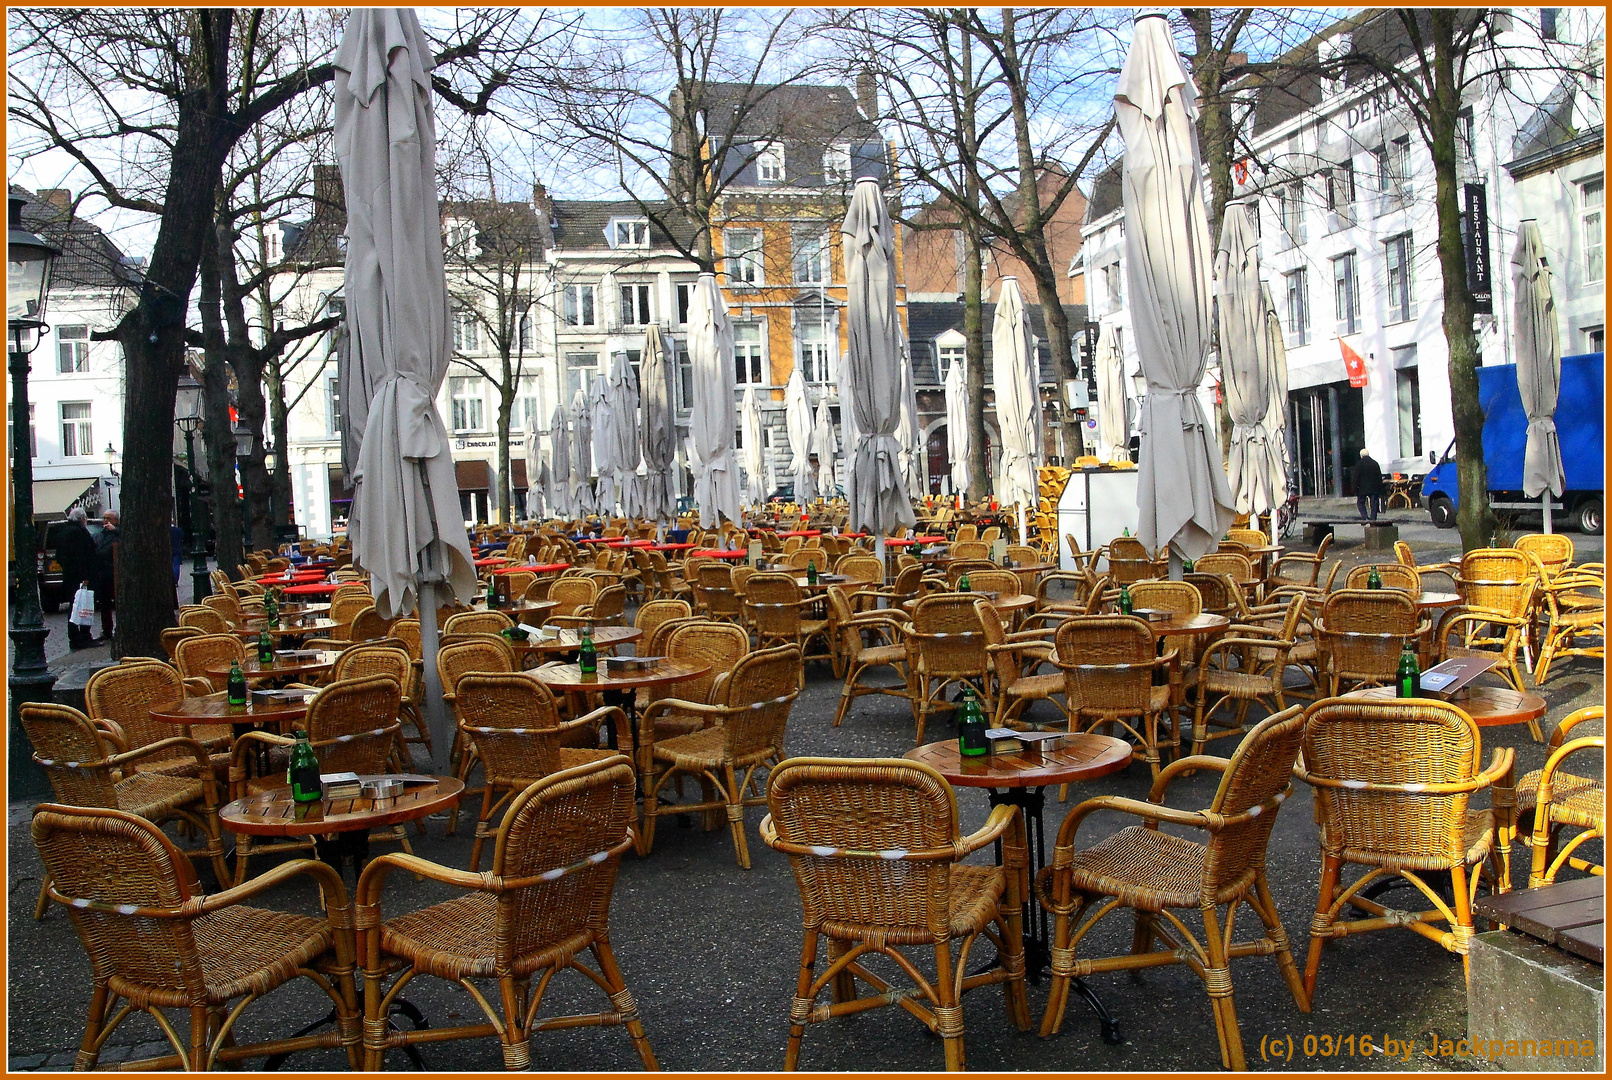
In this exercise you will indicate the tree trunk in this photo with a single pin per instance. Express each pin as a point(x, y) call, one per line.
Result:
point(979, 452)
point(218, 442)
point(279, 423)
point(506, 408)
point(1474, 518)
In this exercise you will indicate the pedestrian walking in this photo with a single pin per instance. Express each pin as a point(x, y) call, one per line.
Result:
point(105, 577)
point(1368, 486)
point(176, 536)
point(75, 550)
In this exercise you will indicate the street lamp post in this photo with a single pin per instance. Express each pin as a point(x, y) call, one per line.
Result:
point(243, 449)
point(269, 463)
point(188, 414)
point(28, 260)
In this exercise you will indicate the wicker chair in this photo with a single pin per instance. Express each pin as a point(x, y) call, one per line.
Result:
point(1574, 608)
point(353, 727)
point(173, 635)
point(572, 594)
point(1394, 576)
point(89, 765)
point(1554, 551)
point(746, 734)
point(1393, 783)
point(607, 608)
point(1583, 795)
point(669, 586)
point(970, 549)
point(1244, 667)
point(1180, 598)
point(1151, 871)
point(714, 595)
point(966, 532)
point(884, 870)
point(124, 695)
point(1361, 633)
point(719, 645)
point(1108, 662)
point(1502, 583)
point(543, 906)
point(652, 613)
point(154, 940)
point(775, 606)
point(369, 625)
point(1578, 807)
point(478, 622)
point(204, 619)
point(514, 724)
point(390, 657)
point(946, 647)
point(1298, 567)
point(861, 570)
point(193, 655)
point(958, 567)
point(1014, 658)
point(856, 657)
point(1249, 538)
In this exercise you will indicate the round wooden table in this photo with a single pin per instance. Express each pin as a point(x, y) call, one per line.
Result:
point(1431, 600)
point(622, 688)
point(216, 709)
point(1187, 625)
point(254, 627)
point(670, 547)
point(713, 553)
point(518, 610)
point(1009, 606)
point(569, 641)
point(284, 667)
point(1020, 780)
point(272, 813)
point(1489, 706)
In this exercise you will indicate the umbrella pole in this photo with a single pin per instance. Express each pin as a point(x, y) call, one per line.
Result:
point(436, 712)
point(1544, 507)
point(1176, 571)
point(1023, 536)
point(879, 548)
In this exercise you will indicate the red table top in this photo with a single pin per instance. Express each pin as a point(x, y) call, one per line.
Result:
point(670, 547)
point(297, 576)
point(803, 532)
point(597, 539)
point(631, 543)
point(313, 588)
point(930, 539)
point(540, 568)
point(713, 553)
point(496, 560)
point(898, 542)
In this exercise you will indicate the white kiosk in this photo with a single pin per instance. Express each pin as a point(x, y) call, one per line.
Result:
point(1098, 504)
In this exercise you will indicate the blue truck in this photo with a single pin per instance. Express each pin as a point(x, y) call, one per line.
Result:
point(1580, 426)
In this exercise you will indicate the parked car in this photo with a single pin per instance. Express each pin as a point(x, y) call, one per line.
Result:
point(786, 493)
point(53, 591)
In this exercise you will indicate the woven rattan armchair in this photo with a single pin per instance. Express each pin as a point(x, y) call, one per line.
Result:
point(1394, 576)
point(1108, 662)
point(572, 594)
point(1151, 872)
point(353, 727)
point(369, 625)
point(856, 656)
point(669, 586)
point(157, 942)
point(1554, 551)
point(514, 724)
point(883, 871)
point(193, 655)
point(478, 622)
point(1393, 785)
point(1240, 669)
point(746, 734)
point(946, 648)
point(125, 695)
point(390, 657)
point(1250, 538)
point(608, 608)
point(1014, 658)
point(721, 645)
point(958, 567)
point(1361, 633)
point(775, 607)
point(1580, 807)
point(204, 619)
point(714, 595)
point(652, 613)
point(970, 549)
point(1515, 802)
point(1298, 567)
point(1574, 609)
point(543, 906)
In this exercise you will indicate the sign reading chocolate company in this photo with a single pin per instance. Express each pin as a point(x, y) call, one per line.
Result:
point(1475, 239)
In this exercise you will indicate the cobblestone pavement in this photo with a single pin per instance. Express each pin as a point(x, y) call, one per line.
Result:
point(710, 951)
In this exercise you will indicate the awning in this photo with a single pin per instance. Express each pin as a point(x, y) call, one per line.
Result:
point(473, 475)
point(53, 497)
point(517, 473)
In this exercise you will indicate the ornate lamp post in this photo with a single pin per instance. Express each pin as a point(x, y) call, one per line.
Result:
point(243, 449)
point(28, 260)
point(188, 415)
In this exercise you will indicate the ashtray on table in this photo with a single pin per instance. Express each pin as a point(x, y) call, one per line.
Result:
point(622, 665)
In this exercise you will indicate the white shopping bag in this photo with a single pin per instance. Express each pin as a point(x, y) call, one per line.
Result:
point(83, 608)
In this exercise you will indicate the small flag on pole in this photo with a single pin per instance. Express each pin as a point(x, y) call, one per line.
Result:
point(1354, 363)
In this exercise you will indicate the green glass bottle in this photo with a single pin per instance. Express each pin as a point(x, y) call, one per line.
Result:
point(1374, 580)
point(1124, 599)
point(971, 740)
point(1409, 677)
point(587, 655)
point(303, 772)
point(1186, 566)
point(811, 572)
point(962, 584)
point(265, 648)
point(1127, 530)
point(492, 592)
point(272, 610)
point(235, 685)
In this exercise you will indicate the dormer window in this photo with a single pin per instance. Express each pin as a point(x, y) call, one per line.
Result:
point(629, 233)
point(837, 164)
point(274, 243)
point(770, 164)
point(461, 238)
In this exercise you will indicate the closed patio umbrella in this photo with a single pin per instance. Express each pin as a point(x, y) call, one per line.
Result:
point(1018, 406)
point(1539, 367)
point(602, 415)
point(559, 489)
point(583, 498)
point(1276, 383)
point(909, 433)
point(1183, 500)
point(1255, 466)
point(826, 448)
point(1113, 404)
point(658, 432)
point(798, 426)
point(624, 453)
point(755, 461)
point(957, 429)
point(405, 523)
point(871, 375)
point(710, 442)
point(534, 466)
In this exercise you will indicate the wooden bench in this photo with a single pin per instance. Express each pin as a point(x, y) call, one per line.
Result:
point(1568, 914)
point(1379, 534)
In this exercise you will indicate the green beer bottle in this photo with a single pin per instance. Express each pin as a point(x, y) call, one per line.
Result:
point(811, 571)
point(265, 648)
point(1186, 566)
point(587, 655)
point(235, 685)
point(1127, 530)
point(272, 611)
point(1374, 580)
point(1124, 599)
point(1409, 677)
point(971, 741)
point(962, 584)
point(303, 772)
point(492, 592)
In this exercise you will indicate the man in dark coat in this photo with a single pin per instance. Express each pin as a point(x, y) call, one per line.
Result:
point(75, 550)
point(105, 578)
point(1368, 486)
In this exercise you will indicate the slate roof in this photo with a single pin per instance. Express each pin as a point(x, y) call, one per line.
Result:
point(1107, 191)
point(927, 321)
point(89, 259)
point(581, 223)
point(797, 111)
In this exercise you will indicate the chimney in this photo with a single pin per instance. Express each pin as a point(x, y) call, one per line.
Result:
point(60, 198)
point(327, 190)
point(867, 94)
point(541, 200)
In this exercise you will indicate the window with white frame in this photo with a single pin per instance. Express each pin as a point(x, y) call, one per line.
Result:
point(685, 296)
point(72, 349)
point(1594, 340)
point(274, 243)
point(811, 255)
point(814, 350)
point(33, 435)
point(580, 368)
point(743, 250)
point(1114, 286)
point(770, 164)
point(1346, 292)
point(525, 418)
point(630, 233)
point(749, 365)
point(1397, 255)
point(333, 405)
point(635, 305)
point(837, 164)
point(78, 439)
point(1465, 147)
point(1298, 306)
point(526, 337)
point(1340, 188)
point(949, 355)
point(1290, 206)
point(465, 404)
point(461, 238)
point(577, 305)
point(685, 380)
point(1591, 214)
point(1399, 163)
point(466, 331)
